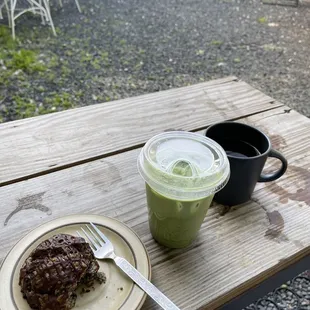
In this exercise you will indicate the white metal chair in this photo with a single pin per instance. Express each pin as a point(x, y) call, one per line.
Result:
point(2, 5)
point(41, 8)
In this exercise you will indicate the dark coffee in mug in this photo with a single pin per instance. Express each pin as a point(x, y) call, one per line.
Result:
point(247, 149)
point(238, 148)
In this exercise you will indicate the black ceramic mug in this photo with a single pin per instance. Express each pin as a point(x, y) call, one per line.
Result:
point(247, 149)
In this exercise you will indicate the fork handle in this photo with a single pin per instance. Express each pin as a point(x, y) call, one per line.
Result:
point(144, 284)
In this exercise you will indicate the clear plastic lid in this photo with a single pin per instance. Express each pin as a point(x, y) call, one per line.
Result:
point(183, 165)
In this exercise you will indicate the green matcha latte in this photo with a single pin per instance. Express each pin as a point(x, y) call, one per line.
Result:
point(182, 172)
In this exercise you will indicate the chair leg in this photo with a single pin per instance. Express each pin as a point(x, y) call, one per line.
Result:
point(78, 5)
point(11, 12)
point(1, 7)
point(42, 16)
point(13, 24)
point(48, 7)
point(8, 12)
point(49, 16)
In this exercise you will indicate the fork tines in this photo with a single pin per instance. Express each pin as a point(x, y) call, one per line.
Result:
point(94, 236)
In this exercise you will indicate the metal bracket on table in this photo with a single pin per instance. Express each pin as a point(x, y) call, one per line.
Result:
point(282, 2)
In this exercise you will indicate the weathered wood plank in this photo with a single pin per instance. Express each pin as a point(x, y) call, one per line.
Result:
point(39, 145)
point(233, 252)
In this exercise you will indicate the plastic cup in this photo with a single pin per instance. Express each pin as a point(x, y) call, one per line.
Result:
point(182, 171)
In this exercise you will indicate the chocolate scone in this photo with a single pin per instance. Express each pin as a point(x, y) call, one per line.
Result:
point(53, 271)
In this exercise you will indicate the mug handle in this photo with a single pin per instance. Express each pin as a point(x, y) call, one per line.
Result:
point(273, 176)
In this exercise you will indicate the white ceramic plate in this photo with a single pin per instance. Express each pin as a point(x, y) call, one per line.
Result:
point(119, 292)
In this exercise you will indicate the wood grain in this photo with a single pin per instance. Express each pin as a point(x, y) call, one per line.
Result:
point(48, 143)
point(232, 253)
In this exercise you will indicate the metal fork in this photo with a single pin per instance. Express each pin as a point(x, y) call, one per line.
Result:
point(103, 248)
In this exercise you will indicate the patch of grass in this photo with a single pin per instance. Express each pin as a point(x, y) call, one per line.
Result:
point(58, 102)
point(102, 60)
point(124, 61)
point(5, 77)
point(168, 70)
point(152, 78)
point(262, 20)
point(200, 52)
point(237, 60)
point(95, 63)
point(216, 42)
point(25, 60)
point(79, 94)
point(25, 84)
point(68, 53)
point(104, 57)
point(74, 41)
point(100, 98)
point(86, 57)
point(24, 107)
point(54, 61)
point(65, 71)
point(2, 55)
point(50, 76)
point(272, 48)
point(58, 30)
point(138, 66)
point(6, 40)
point(40, 89)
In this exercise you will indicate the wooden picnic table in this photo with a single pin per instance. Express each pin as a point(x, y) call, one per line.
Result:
point(84, 161)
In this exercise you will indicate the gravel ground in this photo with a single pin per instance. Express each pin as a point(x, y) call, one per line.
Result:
point(121, 48)
point(294, 295)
